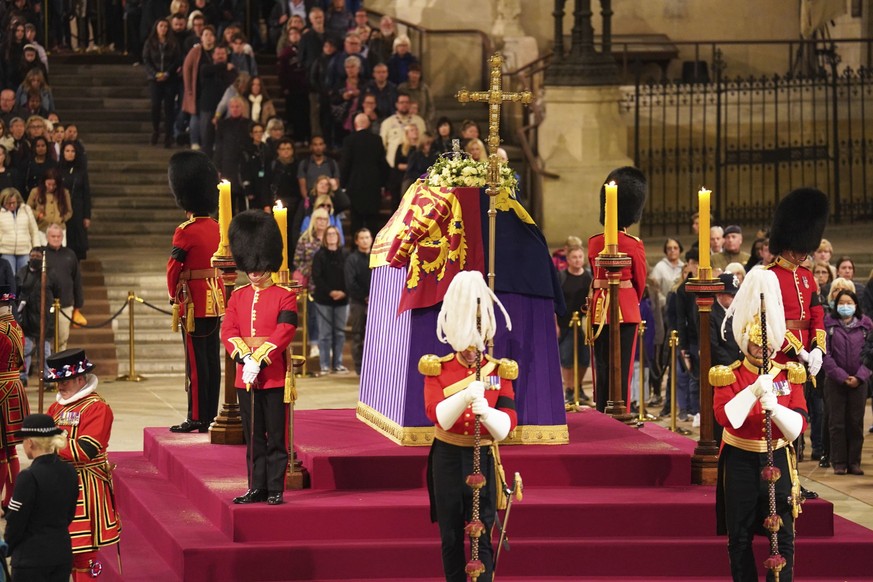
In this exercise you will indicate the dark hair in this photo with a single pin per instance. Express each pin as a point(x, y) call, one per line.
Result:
point(283, 141)
point(846, 259)
point(361, 230)
point(52, 174)
point(858, 311)
point(443, 120)
point(675, 240)
point(692, 255)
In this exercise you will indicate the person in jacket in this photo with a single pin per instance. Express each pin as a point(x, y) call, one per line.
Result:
point(255, 169)
point(846, 382)
point(331, 301)
point(161, 59)
point(50, 202)
point(199, 54)
point(18, 230)
point(357, 273)
point(74, 178)
point(231, 136)
point(363, 172)
point(43, 505)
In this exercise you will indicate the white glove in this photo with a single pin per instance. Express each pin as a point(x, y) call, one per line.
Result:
point(762, 385)
point(480, 408)
point(803, 355)
point(497, 422)
point(815, 357)
point(475, 390)
point(449, 410)
point(251, 369)
point(789, 422)
point(768, 401)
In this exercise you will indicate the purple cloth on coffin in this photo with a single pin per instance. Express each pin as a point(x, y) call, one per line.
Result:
point(392, 385)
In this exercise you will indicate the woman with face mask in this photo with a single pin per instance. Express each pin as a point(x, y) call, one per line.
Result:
point(845, 388)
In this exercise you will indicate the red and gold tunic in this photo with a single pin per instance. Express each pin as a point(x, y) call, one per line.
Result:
point(728, 381)
point(631, 287)
point(88, 421)
point(13, 401)
point(449, 375)
point(260, 322)
point(191, 280)
point(804, 315)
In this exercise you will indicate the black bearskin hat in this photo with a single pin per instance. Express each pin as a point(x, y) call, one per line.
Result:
point(632, 192)
point(799, 221)
point(194, 182)
point(255, 242)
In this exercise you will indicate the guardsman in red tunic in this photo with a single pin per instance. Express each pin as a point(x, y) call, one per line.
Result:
point(743, 392)
point(632, 191)
point(13, 401)
point(195, 287)
point(87, 418)
point(453, 398)
point(259, 325)
point(798, 225)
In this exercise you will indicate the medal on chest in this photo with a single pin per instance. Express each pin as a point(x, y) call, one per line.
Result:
point(805, 282)
point(492, 383)
point(782, 388)
point(69, 418)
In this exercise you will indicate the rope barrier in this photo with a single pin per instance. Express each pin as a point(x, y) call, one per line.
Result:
point(95, 325)
point(155, 307)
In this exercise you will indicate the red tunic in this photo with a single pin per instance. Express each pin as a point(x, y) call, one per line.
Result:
point(13, 401)
point(629, 295)
point(194, 243)
point(88, 421)
point(800, 299)
point(789, 395)
point(261, 323)
point(498, 393)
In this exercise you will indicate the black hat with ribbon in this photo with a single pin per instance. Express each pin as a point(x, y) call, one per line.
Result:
point(37, 425)
point(66, 365)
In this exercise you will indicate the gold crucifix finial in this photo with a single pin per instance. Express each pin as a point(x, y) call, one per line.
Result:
point(495, 97)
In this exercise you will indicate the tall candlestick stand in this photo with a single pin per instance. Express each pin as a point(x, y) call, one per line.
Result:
point(575, 325)
point(613, 261)
point(226, 429)
point(704, 462)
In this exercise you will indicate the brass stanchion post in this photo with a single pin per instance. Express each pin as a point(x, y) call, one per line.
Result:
point(303, 299)
point(131, 375)
point(575, 324)
point(644, 416)
point(674, 342)
point(704, 462)
point(56, 307)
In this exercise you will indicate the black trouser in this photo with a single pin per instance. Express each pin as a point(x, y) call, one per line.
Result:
point(44, 574)
point(372, 220)
point(297, 115)
point(450, 465)
point(203, 367)
point(746, 506)
point(846, 422)
point(163, 95)
point(358, 323)
point(602, 354)
point(266, 455)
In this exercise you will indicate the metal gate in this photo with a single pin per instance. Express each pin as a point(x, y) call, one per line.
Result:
point(751, 140)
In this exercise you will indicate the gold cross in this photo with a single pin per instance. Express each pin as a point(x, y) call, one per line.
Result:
point(494, 96)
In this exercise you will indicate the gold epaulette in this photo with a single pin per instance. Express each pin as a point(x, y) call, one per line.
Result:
point(796, 372)
point(432, 365)
point(188, 222)
point(721, 376)
point(241, 287)
point(507, 369)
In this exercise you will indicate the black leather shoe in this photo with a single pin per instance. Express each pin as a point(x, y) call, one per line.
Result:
point(824, 462)
point(275, 499)
point(190, 426)
point(253, 496)
point(807, 494)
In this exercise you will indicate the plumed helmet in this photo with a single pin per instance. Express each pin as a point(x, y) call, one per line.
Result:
point(255, 242)
point(456, 322)
point(799, 221)
point(745, 310)
point(632, 192)
point(194, 182)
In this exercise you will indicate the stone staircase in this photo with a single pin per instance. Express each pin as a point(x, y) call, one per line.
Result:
point(133, 213)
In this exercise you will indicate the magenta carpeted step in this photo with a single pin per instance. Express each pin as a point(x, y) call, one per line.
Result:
point(140, 562)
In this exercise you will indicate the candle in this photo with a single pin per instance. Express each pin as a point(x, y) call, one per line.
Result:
point(610, 222)
point(225, 211)
point(280, 213)
point(703, 222)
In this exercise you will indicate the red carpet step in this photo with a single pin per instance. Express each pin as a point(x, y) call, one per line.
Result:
point(615, 491)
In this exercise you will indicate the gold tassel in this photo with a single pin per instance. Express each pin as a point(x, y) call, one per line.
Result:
point(175, 324)
point(189, 317)
point(501, 499)
point(290, 382)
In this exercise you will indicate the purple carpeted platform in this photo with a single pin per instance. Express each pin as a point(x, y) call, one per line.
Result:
point(613, 491)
